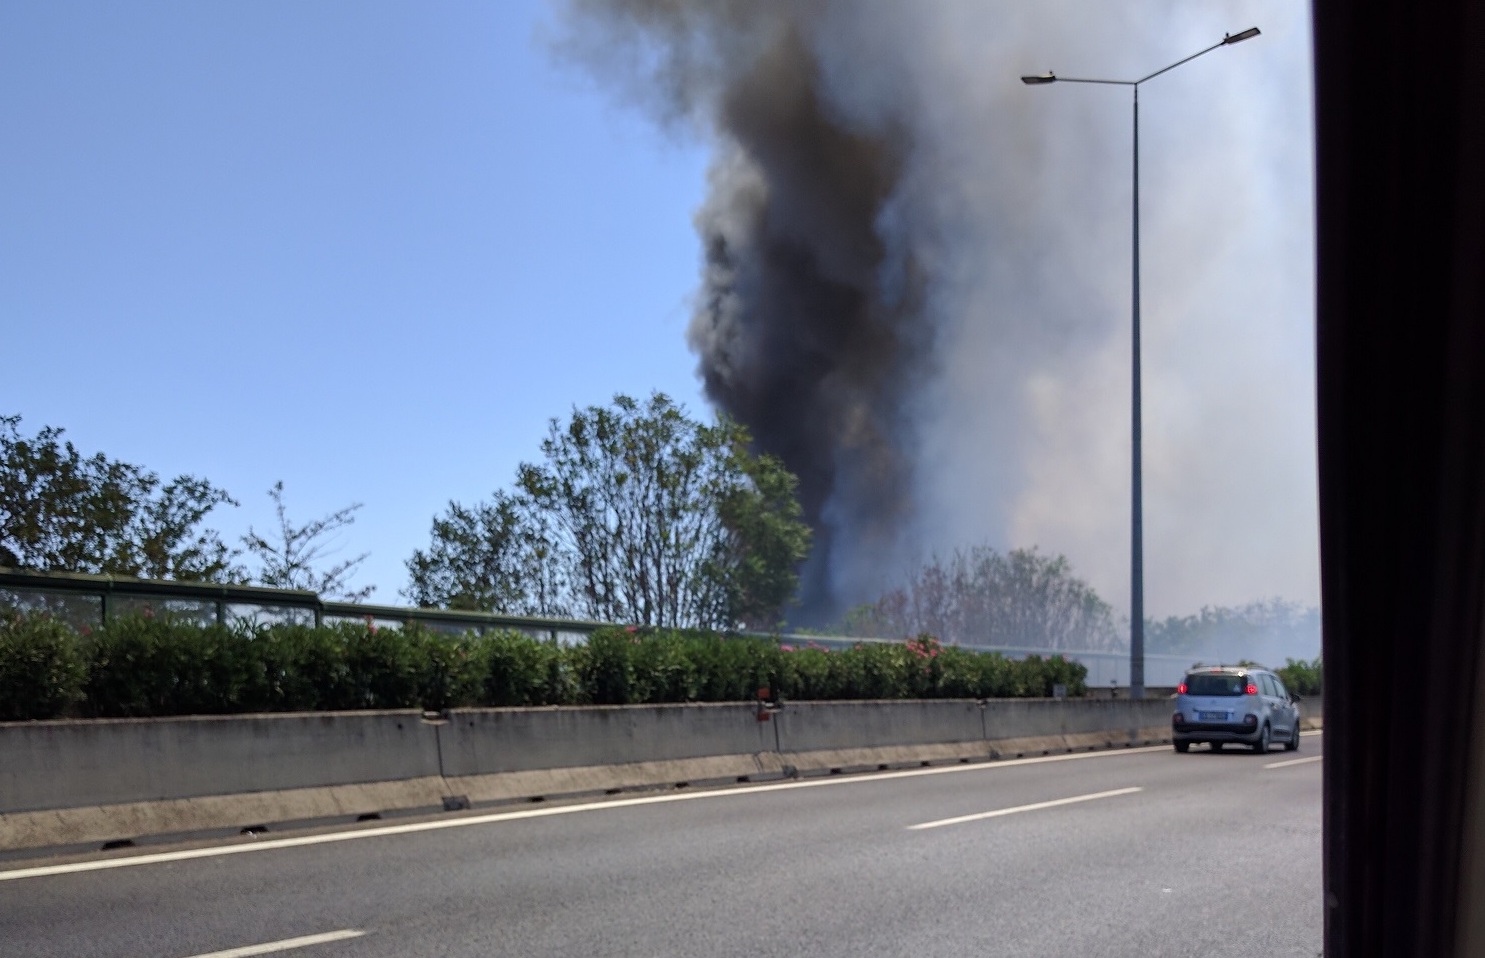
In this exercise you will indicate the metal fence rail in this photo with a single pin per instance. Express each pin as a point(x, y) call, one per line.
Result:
point(91, 600)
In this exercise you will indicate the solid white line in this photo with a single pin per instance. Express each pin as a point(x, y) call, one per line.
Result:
point(287, 944)
point(1294, 761)
point(980, 816)
point(42, 871)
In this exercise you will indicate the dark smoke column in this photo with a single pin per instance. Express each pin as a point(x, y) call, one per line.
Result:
point(808, 323)
point(804, 321)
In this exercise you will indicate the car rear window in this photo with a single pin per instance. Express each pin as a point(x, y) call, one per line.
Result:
point(1216, 684)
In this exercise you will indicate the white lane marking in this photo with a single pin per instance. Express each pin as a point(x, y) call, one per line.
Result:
point(1294, 761)
point(1315, 731)
point(288, 944)
point(1036, 806)
point(42, 871)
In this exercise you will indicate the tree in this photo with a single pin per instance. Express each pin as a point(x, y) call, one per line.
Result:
point(165, 538)
point(61, 511)
point(493, 557)
point(289, 559)
point(1267, 629)
point(979, 597)
point(763, 541)
point(637, 514)
point(661, 520)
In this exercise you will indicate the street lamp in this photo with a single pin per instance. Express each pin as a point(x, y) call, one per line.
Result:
point(1137, 521)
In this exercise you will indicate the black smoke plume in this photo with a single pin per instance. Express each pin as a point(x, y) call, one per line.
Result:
point(915, 282)
point(807, 324)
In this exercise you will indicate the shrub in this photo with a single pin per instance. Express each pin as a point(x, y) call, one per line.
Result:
point(158, 664)
point(143, 664)
point(450, 669)
point(382, 666)
point(292, 668)
point(1301, 677)
point(41, 667)
point(517, 669)
point(731, 669)
point(605, 667)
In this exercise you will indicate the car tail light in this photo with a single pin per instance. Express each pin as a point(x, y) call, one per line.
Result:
point(1181, 689)
point(1178, 719)
point(1252, 690)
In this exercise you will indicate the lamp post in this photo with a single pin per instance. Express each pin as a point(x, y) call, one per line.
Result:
point(1136, 511)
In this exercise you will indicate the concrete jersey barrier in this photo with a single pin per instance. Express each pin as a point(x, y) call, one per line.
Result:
point(72, 764)
point(74, 782)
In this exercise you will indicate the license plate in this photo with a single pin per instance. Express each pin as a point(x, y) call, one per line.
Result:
point(1212, 716)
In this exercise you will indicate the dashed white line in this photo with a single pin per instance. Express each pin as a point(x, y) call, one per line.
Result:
point(1035, 806)
point(1294, 761)
point(42, 871)
point(287, 944)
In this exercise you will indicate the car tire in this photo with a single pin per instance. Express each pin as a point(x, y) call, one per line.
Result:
point(1293, 744)
point(1183, 747)
point(1260, 747)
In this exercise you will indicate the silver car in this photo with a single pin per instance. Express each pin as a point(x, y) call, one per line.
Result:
point(1222, 704)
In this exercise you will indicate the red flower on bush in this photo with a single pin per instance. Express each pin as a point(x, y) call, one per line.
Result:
point(924, 646)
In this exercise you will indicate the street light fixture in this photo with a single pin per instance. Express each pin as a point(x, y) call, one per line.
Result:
point(1136, 522)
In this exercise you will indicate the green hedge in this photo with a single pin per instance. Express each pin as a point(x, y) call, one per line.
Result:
point(42, 669)
point(1301, 677)
point(141, 665)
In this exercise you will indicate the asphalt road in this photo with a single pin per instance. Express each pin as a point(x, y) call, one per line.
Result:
point(1139, 852)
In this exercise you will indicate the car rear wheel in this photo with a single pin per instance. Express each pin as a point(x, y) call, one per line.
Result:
point(1183, 747)
point(1293, 744)
point(1261, 746)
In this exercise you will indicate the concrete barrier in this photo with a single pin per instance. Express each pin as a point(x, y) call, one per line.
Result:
point(842, 736)
point(1312, 712)
point(65, 764)
point(501, 754)
point(491, 741)
point(92, 781)
point(67, 782)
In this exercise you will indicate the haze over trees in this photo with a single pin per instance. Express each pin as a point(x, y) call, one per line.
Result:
point(636, 513)
point(1023, 599)
point(978, 596)
point(1268, 629)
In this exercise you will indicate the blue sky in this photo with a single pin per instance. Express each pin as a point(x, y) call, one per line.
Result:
point(369, 248)
point(366, 248)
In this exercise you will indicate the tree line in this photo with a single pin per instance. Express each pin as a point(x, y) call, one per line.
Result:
point(63, 511)
point(635, 513)
point(1025, 599)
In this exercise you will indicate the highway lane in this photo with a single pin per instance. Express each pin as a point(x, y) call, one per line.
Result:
point(1213, 855)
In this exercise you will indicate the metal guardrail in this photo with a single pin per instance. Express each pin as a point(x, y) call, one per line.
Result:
point(91, 600)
